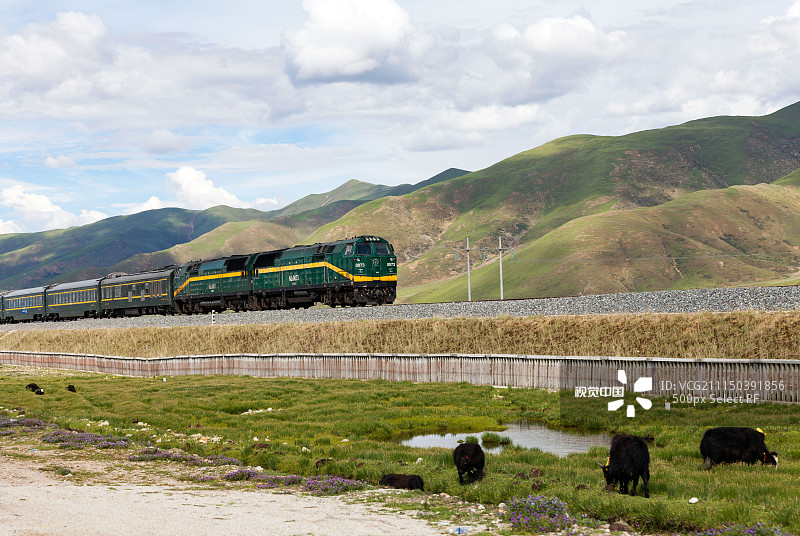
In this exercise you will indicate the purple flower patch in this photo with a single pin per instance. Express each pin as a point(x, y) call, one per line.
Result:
point(759, 529)
point(539, 514)
point(152, 453)
point(68, 439)
point(331, 485)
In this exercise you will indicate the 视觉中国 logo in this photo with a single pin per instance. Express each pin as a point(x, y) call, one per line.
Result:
point(641, 385)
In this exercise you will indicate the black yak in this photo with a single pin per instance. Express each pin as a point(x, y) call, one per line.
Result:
point(628, 460)
point(71, 388)
point(731, 444)
point(469, 458)
point(32, 386)
point(402, 481)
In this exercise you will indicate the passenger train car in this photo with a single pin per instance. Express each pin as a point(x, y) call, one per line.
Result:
point(355, 272)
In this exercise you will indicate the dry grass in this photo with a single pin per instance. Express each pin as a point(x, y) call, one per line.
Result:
point(745, 335)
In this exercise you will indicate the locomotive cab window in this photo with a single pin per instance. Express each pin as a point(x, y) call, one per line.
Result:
point(348, 250)
point(363, 248)
point(382, 248)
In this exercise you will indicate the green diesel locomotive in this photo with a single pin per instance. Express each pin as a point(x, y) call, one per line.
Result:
point(354, 272)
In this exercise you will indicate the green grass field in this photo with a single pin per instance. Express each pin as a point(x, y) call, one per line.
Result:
point(287, 425)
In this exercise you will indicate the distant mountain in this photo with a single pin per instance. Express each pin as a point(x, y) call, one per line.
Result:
point(37, 258)
point(361, 192)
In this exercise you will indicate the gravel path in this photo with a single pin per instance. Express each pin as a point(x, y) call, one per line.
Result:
point(33, 502)
point(670, 301)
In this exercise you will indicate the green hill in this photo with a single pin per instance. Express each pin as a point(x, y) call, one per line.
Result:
point(714, 238)
point(356, 192)
point(527, 196)
point(52, 256)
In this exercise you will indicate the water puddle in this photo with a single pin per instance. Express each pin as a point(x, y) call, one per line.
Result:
point(524, 435)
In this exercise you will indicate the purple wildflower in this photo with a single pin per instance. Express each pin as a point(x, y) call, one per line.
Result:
point(152, 453)
point(539, 514)
point(331, 485)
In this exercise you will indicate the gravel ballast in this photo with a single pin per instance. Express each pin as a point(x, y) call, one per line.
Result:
point(670, 301)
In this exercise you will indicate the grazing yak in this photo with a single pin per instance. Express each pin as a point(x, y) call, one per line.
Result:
point(402, 481)
point(731, 444)
point(628, 460)
point(469, 458)
point(32, 387)
point(71, 388)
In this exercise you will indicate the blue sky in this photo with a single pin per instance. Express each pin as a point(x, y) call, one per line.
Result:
point(113, 107)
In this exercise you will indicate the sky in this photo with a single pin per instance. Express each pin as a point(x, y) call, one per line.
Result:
point(111, 107)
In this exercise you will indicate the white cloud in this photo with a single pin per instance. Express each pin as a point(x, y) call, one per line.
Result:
point(194, 190)
point(74, 69)
point(59, 162)
point(266, 203)
point(164, 141)
point(453, 128)
point(10, 226)
point(347, 38)
point(152, 203)
point(34, 212)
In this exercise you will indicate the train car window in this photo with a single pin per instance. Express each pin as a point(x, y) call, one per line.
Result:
point(382, 248)
point(329, 249)
point(348, 250)
point(363, 248)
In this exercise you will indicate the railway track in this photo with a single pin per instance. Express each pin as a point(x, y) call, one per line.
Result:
point(672, 301)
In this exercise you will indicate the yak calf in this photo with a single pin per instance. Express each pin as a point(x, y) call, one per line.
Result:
point(469, 459)
point(402, 481)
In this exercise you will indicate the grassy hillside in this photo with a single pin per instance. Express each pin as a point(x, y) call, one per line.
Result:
point(534, 193)
point(352, 190)
point(228, 239)
point(355, 192)
point(714, 238)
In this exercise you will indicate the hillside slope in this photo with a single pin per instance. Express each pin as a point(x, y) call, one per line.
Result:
point(714, 238)
point(526, 196)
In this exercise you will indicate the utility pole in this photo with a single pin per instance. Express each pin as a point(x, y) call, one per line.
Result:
point(469, 283)
point(500, 249)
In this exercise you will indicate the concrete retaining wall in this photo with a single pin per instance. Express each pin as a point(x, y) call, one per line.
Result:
point(768, 380)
